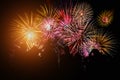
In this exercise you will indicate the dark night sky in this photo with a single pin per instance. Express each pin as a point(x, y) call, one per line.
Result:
point(24, 69)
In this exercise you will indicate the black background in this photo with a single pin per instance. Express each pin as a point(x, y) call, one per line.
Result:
point(26, 67)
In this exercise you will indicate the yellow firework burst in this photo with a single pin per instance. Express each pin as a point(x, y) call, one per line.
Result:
point(103, 41)
point(105, 18)
point(26, 29)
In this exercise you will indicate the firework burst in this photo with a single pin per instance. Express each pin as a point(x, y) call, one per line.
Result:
point(102, 41)
point(48, 15)
point(105, 18)
point(26, 30)
point(75, 21)
point(82, 13)
point(79, 37)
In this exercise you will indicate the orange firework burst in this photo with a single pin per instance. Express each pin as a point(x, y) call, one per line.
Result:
point(105, 18)
point(26, 30)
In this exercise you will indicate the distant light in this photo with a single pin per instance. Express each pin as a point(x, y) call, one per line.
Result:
point(39, 54)
point(41, 46)
point(42, 50)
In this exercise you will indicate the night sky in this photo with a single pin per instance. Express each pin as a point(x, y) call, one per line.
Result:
point(31, 67)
